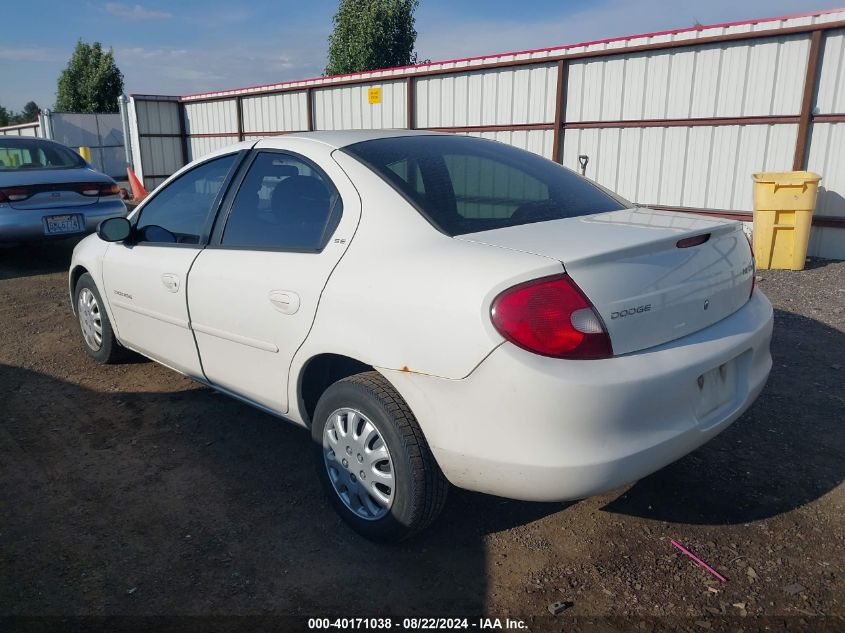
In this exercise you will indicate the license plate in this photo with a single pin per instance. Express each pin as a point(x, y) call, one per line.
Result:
point(716, 388)
point(58, 224)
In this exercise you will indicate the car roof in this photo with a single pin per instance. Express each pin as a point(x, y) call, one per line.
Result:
point(28, 139)
point(343, 138)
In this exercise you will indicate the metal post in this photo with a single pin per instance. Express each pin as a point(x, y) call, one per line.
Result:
point(411, 100)
point(811, 80)
point(46, 120)
point(183, 131)
point(309, 109)
point(239, 109)
point(124, 122)
point(560, 111)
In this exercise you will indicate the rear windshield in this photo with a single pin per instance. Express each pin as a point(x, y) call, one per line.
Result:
point(463, 184)
point(26, 153)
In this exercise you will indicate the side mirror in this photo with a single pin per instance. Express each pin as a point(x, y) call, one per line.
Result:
point(114, 229)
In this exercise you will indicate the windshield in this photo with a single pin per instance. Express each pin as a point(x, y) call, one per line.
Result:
point(463, 184)
point(31, 153)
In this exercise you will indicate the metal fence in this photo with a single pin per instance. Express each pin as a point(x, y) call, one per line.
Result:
point(24, 129)
point(101, 133)
point(678, 119)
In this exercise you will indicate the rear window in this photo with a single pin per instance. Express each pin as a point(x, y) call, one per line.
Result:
point(463, 184)
point(25, 153)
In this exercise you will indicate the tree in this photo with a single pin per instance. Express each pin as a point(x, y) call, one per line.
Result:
point(372, 34)
point(92, 82)
point(29, 113)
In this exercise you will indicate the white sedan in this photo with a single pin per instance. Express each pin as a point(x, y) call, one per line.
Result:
point(435, 308)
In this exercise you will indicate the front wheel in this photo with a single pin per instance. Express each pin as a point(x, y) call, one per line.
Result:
point(374, 461)
point(94, 325)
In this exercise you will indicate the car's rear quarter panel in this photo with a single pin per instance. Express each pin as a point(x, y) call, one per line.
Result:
point(408, 298)
point(528, 427)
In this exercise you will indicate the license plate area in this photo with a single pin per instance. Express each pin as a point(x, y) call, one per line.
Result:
point(715, 389)
point(63, 224)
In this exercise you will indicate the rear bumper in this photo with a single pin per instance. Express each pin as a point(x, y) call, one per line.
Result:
point(28, 224)
point(527, 427)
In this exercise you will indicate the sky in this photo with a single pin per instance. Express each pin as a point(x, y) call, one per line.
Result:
point(183, 47)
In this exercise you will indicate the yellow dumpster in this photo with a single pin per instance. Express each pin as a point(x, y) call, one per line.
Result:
point(783, 214)
point(85, 152)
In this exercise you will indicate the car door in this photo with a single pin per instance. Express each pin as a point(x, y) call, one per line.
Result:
point(254, 291)
point(145, 278)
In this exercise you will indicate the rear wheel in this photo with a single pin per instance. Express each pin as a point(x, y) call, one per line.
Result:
point(374, 461)
point(94, 325)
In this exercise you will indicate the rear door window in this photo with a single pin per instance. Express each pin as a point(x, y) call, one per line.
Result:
point(284, 203)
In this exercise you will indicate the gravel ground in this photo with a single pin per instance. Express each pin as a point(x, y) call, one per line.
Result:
point(129, 490)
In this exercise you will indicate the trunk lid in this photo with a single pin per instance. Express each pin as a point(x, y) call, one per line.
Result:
point(646, 288)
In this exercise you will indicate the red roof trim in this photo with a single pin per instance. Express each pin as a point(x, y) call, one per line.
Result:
point(225, 91)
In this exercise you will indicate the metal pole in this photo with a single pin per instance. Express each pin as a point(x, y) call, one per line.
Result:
point(560, 110)
point(811, 88)
point(46, 124)
point(124, 122)
point(411, 119)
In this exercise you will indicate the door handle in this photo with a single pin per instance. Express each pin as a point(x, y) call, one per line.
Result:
point(284, 301)
point(170, 281)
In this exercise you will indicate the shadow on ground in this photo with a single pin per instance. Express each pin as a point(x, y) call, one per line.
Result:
point(35, 258)
point(786, 451)
point(192, 502)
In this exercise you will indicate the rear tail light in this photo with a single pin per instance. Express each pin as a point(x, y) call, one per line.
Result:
point(551, 317)
point(14, 194)
point(99, 189)
point(92, 189)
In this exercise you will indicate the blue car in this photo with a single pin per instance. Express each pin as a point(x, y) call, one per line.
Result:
point(49, 191)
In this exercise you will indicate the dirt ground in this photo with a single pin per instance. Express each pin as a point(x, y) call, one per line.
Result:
point(129, 490)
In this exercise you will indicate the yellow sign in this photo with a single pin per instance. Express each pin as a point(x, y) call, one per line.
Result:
point(374, 95)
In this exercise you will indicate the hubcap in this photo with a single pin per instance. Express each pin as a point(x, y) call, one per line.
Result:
point(358, 463)
point(90, 320)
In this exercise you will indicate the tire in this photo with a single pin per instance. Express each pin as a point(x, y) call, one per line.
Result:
point(94, 326)
point(367, 405)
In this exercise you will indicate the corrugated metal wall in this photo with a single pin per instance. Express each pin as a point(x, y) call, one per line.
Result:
point(513, 96)
point(348, 107)
point(827, 143)
point(734, 79)
point(674, 119)
point(210, 126)
point(707, 166)
point(156, 138)
point(538, 141)
point(284, 112)
point(101, 132)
